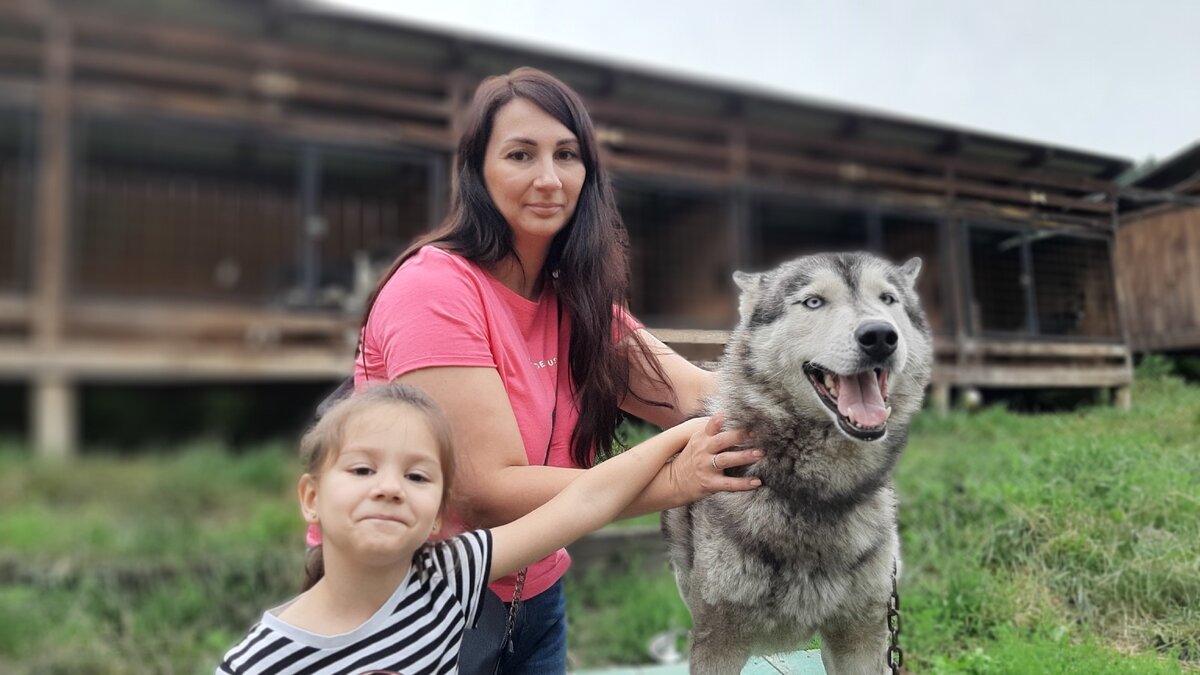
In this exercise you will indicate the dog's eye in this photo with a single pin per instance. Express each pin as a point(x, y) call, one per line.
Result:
point(888, 299)
point(813, 302)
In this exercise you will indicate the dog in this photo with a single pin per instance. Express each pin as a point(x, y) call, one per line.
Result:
point(826, 367)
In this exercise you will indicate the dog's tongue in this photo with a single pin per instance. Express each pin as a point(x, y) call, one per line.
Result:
point(860, 394)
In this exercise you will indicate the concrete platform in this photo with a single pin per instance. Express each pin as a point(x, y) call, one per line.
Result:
point(795, 663)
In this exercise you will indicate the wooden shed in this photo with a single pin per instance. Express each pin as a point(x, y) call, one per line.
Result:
point(204, 189)
point(1158, 256)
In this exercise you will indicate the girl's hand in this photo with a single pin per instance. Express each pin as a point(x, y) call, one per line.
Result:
point(699, 469)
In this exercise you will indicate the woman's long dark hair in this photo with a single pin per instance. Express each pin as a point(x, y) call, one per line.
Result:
point(591, 254)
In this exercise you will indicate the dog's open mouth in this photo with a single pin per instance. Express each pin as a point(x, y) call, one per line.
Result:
point(860, 400)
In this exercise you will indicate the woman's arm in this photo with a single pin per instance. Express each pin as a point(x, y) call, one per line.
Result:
point(496, 485)
point(689, 385)
point(596, 497)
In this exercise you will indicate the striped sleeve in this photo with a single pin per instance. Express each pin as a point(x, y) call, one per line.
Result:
point(466, 562)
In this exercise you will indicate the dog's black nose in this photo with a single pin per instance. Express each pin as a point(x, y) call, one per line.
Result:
point(877, 339)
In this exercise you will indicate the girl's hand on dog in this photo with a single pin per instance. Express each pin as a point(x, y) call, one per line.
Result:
point(699, 469)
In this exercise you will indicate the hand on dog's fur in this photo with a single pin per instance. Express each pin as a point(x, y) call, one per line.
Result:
point(693, 473)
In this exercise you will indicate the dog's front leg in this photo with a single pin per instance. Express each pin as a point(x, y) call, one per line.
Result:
point(855, 646)
point(718, 651)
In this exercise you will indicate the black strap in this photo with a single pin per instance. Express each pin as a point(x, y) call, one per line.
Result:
point(511, 621)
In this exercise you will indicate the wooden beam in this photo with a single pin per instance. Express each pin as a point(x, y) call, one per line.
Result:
point(20, 50)
point(1044, 349)
point(15, 310)
point(300, 87)
point(126, 100)
point(689, 336)
point(161, 319)
point(20, 93)
point(639, 143)
point(857, 173)
point(137, 361)
point(202, 317)
point(1018, 377)
point(155, 36)
point(934, 163)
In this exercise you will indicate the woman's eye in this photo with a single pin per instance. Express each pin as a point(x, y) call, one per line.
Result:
point(888, 299)
point(813, 302)
point(519, 155)
point(567, 155)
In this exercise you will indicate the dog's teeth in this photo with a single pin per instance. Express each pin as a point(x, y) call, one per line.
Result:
point(889, 413)
point(850, 416)
point(829, 382)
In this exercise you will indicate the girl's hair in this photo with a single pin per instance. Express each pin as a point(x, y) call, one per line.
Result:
point(587, 264)
point(320, 445)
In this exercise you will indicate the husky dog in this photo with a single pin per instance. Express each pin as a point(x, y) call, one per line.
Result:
point(826, 368)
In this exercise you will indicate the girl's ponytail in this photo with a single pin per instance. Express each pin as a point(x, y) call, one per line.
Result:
point(314, 567)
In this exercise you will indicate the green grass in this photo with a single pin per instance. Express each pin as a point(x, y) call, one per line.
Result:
point(1070, 526)
point(1062, 543)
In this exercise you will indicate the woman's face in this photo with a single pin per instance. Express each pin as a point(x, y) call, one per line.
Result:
point(533, 171)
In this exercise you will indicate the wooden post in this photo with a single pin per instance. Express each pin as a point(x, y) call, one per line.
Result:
point(55, 416)
point(940, 398)
point(1123, 397)
point(53, 410)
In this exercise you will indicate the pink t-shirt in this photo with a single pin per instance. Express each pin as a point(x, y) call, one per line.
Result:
point(440, 309)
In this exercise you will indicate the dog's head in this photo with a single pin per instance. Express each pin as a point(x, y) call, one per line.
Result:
point(843, 334)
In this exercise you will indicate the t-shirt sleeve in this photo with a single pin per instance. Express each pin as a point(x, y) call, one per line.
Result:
point(430, 313)
point(465, 562)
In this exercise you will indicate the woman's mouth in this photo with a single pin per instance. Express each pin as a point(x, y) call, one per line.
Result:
point(546, 209)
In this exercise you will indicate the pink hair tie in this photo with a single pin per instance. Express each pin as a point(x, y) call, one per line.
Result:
point(312, 536)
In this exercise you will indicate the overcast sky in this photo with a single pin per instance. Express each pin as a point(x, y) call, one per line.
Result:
point(1107, 76)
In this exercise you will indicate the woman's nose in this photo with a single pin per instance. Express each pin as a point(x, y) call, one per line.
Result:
point(547, 178)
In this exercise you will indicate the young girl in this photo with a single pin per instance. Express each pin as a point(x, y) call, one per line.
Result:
point(380, 597)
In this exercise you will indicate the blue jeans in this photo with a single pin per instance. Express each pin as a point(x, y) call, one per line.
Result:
point(539, 635)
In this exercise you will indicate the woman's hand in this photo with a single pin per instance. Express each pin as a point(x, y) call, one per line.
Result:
point(699, 469)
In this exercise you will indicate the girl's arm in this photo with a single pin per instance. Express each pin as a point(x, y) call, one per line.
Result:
point(597, 496)
point(495, 480)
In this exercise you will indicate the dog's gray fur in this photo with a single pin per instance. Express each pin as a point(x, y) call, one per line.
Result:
point(813, 549)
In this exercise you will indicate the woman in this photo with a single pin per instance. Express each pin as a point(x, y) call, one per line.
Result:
point(509, 316)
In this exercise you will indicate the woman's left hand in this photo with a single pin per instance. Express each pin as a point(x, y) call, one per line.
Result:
point(699, 469)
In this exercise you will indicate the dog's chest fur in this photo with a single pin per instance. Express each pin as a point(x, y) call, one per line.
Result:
point(801, 548)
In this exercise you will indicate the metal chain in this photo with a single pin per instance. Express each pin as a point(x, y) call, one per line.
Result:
point(511, 621)
point(894, 656)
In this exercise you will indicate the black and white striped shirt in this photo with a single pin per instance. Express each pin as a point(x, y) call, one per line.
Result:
point(418, 630)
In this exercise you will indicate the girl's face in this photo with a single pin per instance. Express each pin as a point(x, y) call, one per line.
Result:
point(381, 497)
point(533, 171)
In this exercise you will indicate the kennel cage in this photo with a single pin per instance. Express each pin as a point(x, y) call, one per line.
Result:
point(191, 213)
point(17, 134)
point(1041, 284)
point(681, 258)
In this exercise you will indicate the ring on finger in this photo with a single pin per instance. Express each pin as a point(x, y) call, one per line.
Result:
point(714, 463)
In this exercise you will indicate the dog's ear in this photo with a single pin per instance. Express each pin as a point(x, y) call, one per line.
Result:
point(910, 270)
point(747, 281)
point(751, 285)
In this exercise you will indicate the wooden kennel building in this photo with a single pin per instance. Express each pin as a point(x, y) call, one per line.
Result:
point(1158, 256)
point(204, 189)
